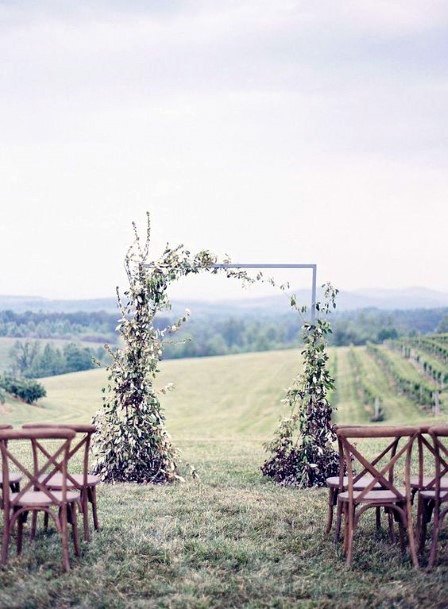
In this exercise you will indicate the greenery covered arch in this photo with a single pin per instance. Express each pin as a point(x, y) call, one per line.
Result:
point(132, 443)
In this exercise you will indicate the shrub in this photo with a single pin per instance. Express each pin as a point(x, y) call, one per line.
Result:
point(27, 390)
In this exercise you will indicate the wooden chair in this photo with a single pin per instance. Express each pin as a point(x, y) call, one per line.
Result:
point(35, 496)
point(426, 452)
point(85, 483)
point(14, 477)
point(337, 484)
point(433, 498)
point(353, 503)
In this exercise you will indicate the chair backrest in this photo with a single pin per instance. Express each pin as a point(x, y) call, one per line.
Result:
point(81, 445)
point(342, 463)
point(56, 461)
point(439, 435)
point(3, 426)
point(343, 467)
point(426, 456)
point(381, 468)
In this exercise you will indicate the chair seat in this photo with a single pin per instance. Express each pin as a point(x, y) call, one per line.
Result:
point(55, 482)
point(432, 494)
point(333, 482)
point(379, 496)
point(427, 480)
point(13, 478)
point(37, 498)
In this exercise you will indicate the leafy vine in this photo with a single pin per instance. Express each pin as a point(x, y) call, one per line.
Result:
point(132, 443)
point(302, 453)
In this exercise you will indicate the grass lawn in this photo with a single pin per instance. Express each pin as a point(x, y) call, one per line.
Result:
point(230, 539)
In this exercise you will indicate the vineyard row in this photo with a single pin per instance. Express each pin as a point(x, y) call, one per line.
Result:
point(423, 358)
point(366, 392)
point(408, 382)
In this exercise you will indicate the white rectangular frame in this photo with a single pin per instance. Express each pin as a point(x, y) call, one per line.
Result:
point(281, 266)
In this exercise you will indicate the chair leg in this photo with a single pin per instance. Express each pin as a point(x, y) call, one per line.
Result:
point(422, 521)
point(33, 525)
point(411, 537)
point(74, 522)
point(418, 522)
point(401, 529)
point(330, 510)
point(350, 533)
point(64, 537)
point(345, 516)
point(96, 523)
point(19, 534)
point(85, 513)
point(390, 518)
point(427, 510)
point(435, 538)
point(378, 518)
point(337, 533)
point(5, 541)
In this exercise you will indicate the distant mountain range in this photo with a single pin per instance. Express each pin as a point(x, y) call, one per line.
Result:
point(391, 299)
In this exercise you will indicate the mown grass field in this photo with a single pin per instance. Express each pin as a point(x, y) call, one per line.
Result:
point(232, 538)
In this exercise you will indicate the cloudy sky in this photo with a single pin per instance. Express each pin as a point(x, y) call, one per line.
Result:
point(286, 131)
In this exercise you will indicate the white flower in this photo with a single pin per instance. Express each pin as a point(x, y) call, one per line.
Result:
point(173, 328)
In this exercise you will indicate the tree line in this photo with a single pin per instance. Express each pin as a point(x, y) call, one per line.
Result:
point(30, 359)
point(211, 334)
point(98, 326)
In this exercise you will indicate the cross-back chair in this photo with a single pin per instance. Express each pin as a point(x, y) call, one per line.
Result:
point(433, 497)
point(353, 503)
point(85, 483)
point(426, 463)
point(337, 484)
point(14, 477)
point(35, 496)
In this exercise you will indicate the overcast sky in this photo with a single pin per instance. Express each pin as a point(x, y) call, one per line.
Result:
point(274, 131)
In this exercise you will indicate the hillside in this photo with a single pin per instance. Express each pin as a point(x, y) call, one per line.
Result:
point(216, 396)
point(231, 538)
point(348, 300)
point(230, 394)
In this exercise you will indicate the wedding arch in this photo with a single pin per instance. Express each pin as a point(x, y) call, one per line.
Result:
point(132, 443)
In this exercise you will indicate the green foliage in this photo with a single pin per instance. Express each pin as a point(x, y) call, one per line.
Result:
point(406, 378)
point(216, 335)
point(301, 453)
point(132, 443)
point(23, 356)
point(96, 326)
point(31, 361)
point(224, 332)
point(77, 358)
point(387, 334)
point(430, 353)
point(27, 390)
point(366, 391)
point(364, 326)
